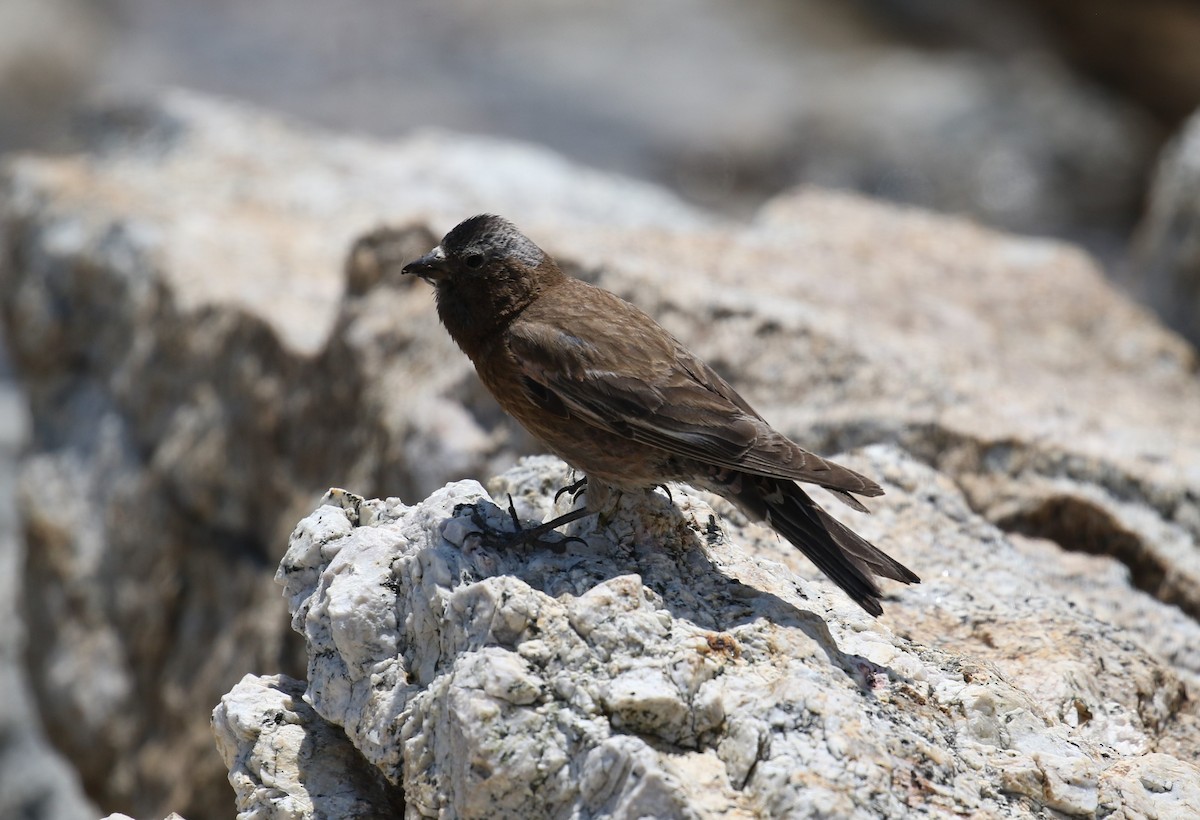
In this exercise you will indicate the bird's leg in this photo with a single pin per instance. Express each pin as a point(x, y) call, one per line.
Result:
point(603, 498)
point(574, 489)
point(533, 535)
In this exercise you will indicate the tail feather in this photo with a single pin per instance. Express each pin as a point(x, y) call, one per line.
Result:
point(847, 499)
point(878, 561)
point(847, 558)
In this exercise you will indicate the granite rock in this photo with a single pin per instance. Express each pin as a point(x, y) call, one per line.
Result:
point(657, 667)
point(285, 762)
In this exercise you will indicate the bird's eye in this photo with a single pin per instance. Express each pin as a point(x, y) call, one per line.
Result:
point(474, 260)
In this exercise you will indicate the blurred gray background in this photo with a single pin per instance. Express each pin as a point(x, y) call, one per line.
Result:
point(1039, 116)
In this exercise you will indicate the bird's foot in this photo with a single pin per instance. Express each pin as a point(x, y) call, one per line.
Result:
point(574, 489)
point(533, 535)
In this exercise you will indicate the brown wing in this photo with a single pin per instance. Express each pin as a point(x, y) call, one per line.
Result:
point(630, 377)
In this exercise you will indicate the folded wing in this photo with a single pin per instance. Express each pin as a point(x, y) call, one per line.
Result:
point(649, 388)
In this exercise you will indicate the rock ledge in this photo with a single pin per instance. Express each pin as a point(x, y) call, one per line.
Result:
point(661, 669)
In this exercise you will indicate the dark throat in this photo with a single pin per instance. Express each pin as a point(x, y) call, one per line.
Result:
point(476, 312)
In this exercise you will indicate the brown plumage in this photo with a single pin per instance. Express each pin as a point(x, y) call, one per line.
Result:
point(614, 395)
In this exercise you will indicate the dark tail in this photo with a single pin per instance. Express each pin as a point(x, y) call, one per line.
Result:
point(848, 559)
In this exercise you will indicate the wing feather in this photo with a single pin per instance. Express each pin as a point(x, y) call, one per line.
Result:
point(649, 388)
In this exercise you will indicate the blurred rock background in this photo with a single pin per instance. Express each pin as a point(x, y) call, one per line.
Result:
point(1041, 117)
point(1060, 118)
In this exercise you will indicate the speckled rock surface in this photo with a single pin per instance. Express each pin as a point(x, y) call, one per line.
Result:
point(285, 762)
point(661, 669)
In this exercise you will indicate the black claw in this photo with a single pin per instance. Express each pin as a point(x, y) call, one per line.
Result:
point(574, 489)
point(512, 510)
point(666, 490)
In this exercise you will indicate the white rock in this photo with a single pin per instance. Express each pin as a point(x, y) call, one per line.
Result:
point(637, 677)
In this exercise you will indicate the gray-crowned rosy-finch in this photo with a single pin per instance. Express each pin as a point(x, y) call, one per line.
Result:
point(616, 396)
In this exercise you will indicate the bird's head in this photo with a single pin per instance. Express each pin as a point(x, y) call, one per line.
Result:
point(475, 248)
point(486, 272)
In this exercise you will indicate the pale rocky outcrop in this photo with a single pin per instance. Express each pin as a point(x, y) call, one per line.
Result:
point(660, 669)
point(285, 762)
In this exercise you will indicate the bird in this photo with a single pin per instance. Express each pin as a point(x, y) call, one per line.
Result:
point(617, 397)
